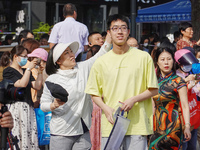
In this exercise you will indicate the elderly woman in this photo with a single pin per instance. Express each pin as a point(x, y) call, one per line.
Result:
point(186, 31)
point(70, 121)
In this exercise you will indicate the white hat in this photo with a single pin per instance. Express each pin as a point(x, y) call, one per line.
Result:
point(61, 47)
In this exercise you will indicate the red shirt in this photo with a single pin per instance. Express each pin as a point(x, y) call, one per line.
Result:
point(181, 44)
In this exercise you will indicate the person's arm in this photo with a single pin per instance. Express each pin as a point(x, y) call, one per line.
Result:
point(185, 110)
point(128, 104)
point(107, 110)
point(51, 45)
point(190, 80)
point(23, 82)
point(38, 83)
point(48, 102)
point(53, 38)
point(153, 106)
point(104, 48)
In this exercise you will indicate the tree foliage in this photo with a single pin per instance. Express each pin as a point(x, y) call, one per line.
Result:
point(42, 28)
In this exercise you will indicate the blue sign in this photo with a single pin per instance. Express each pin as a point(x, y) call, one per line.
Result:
point(178, 10)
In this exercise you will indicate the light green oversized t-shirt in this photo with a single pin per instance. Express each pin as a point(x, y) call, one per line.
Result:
point(119, 77)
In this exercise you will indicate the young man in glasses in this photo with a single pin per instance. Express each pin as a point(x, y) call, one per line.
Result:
point(124, 74)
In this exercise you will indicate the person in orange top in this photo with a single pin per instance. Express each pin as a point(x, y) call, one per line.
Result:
point(186, 31)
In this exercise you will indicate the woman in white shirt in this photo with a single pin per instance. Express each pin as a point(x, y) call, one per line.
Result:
point(70, 121)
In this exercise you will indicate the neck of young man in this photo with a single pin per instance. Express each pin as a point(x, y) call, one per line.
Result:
point(120, 49)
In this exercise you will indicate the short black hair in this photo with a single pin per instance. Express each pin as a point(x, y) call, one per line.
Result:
point(68, 9)
point(168, 44)
point(8, 56)
point(143, 38)
point(51, 68)
point(176, 34)
point(157, 54)
point(116, 17)
point(44, 36)
point(23, 34)
point(183, 26)
point(104, 33)
point(91, 34)
point(8, 37)
point(196, 49)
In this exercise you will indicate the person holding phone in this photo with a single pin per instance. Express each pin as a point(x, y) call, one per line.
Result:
point(23, 112)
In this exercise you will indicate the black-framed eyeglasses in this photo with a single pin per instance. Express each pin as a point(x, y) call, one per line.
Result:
point(122, 28)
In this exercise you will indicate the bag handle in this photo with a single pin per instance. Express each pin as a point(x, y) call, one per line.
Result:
point(122, 113)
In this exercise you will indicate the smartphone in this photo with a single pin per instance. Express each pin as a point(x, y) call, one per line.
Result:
point(38, 63)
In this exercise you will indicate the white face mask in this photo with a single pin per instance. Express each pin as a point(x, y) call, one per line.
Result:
point(199, 60)
point(145, 44)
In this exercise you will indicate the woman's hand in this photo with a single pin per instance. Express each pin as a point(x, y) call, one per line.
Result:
point(56, 104)
point(187, 133)
point(32, 63)
point(42, 66)
point(6, 121)
point(190, 77)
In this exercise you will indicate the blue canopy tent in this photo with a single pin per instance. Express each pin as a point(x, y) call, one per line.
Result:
point(177, 10)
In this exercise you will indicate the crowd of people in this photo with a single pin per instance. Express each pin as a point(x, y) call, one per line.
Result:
point(85, 75)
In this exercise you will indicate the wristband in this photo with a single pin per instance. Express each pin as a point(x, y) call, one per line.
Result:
point(28, 69)
point(187, 124)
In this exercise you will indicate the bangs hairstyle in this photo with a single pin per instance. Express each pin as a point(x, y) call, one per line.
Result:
point(51, 68)
point(157, 54)
point(68, 9)
point(23, 34)
point(115, 18)
point(196, 49)
point(8, 56)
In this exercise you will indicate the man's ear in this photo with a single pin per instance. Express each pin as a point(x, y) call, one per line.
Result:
point(90, 44)
point(129, 31)
point(108, 32)
point(75, 15)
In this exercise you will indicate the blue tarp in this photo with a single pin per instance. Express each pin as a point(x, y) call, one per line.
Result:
point(177, 10)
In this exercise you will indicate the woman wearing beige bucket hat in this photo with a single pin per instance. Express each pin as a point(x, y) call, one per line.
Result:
point(71, 120)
